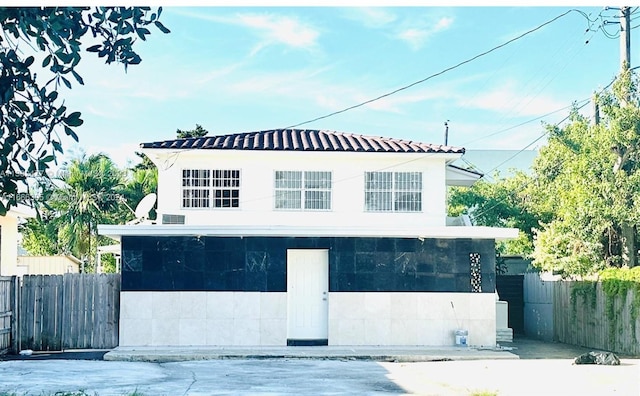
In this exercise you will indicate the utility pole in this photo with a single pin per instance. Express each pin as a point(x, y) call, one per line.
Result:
point(627, 229)
point(625, 38)
point(446, 132)
point(595, 110)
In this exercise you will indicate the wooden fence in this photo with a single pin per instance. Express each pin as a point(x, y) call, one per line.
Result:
point(553, 311)
point(8, 300)
point(584, 319)
point(71, 311)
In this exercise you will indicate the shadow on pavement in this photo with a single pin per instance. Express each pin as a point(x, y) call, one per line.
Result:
point(529, 348)
point(96, 354)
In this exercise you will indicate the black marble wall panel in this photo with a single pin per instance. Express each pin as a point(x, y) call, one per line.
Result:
point(191, 263)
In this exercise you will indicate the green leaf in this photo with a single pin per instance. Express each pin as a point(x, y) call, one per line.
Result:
point(94, 48)
point(78, 78)
point(162, 28)
point(22, 105)
point(73, 119)
point(56, 146)
point(66, 82)
point(71, 133)
point(141, 31)
point(46, 61)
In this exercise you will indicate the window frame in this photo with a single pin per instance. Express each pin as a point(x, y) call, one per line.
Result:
point(213, 185)
point(391, 187)
point(300, 186)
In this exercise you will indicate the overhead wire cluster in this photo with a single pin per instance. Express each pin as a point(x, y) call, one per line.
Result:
point(485, 210)
point(593, 27)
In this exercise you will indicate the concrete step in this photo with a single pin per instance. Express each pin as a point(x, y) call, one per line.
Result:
point(504, 335)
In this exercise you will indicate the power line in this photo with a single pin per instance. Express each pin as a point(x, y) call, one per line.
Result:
point(441, 72)
point(485, 210)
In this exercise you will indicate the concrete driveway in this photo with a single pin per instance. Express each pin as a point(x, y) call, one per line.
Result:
point(532, 375)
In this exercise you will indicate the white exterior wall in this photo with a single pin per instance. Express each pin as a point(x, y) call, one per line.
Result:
point(8, 245)
point(257, 186)
point(255, 318)
point(202, 318)
point(47, 265)
point(411, 318)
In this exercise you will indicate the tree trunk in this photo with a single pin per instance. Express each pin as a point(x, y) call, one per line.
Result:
point(629, 248)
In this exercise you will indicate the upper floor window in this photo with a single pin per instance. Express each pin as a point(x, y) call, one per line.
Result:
point(207, 188)
point(393, 191)
point(303, 190)
point(196, 188)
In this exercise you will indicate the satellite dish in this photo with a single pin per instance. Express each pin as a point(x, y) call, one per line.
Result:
point(143, 208)
point(145, 205)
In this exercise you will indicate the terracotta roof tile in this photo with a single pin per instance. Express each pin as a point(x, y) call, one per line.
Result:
point(302, 140)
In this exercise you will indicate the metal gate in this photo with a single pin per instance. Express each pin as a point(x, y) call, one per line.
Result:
point(510, 288)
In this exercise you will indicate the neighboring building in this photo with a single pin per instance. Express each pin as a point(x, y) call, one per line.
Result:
point(48, 265)
point(502, 162)
point(305, 237)
point(9, 238)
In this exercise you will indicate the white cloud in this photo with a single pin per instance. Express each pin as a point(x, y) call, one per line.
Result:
point(271, 28)
point(417, 35)
point(280, 29)
point(371, 17)
point(512, 101)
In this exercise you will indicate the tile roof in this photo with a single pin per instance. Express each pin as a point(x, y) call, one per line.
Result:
point(303, 140)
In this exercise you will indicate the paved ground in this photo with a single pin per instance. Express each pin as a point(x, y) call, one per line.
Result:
point(543, 369)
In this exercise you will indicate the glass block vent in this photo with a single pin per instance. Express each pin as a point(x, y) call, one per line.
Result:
point(476, 272)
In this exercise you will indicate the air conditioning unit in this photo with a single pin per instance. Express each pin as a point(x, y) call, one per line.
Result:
point(172, 219)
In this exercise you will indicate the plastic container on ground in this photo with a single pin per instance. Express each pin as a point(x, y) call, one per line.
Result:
point(461, 337)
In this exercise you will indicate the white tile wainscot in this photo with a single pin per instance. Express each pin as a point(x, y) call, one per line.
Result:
point(430, 319)
point(202, 318)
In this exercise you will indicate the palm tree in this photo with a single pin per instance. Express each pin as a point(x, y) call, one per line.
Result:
point(91, 195)
point(140, 183)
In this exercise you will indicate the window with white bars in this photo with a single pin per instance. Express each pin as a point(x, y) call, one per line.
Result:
point(226, 188)
point(196, 188)
point(308, 190)
point(207, 188)
point(393, 191)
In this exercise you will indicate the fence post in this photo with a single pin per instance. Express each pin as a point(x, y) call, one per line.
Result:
point(15, 319)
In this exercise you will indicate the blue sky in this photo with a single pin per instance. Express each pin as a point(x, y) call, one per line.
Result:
point(255, 68)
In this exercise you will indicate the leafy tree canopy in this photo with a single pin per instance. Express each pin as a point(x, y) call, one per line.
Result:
point(503, 203)
point(197, 132)
point(588, 176)
point(31, 111)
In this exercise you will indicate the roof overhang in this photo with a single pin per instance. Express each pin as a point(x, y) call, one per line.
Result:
point(21, 210)
point(457, 176)
point(117, 231)
point(114, 249)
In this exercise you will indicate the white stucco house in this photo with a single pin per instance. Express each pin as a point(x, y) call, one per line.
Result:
point(305, 237)
point(9, 238)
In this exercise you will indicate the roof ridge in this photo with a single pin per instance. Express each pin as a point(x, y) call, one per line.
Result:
point(295, 139)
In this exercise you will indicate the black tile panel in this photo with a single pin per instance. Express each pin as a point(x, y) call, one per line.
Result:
point(259, 263)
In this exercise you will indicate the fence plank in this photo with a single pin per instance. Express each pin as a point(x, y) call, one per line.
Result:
point(590, 325)
point(7, 314)
point(74, 311)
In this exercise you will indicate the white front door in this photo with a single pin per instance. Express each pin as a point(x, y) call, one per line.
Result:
point(307, 294)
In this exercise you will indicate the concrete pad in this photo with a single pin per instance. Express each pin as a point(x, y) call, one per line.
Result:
point(381, 354)
point(319, 377)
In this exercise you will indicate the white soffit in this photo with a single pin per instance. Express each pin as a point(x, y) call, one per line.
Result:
point(116, 231)
point(457, 176)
